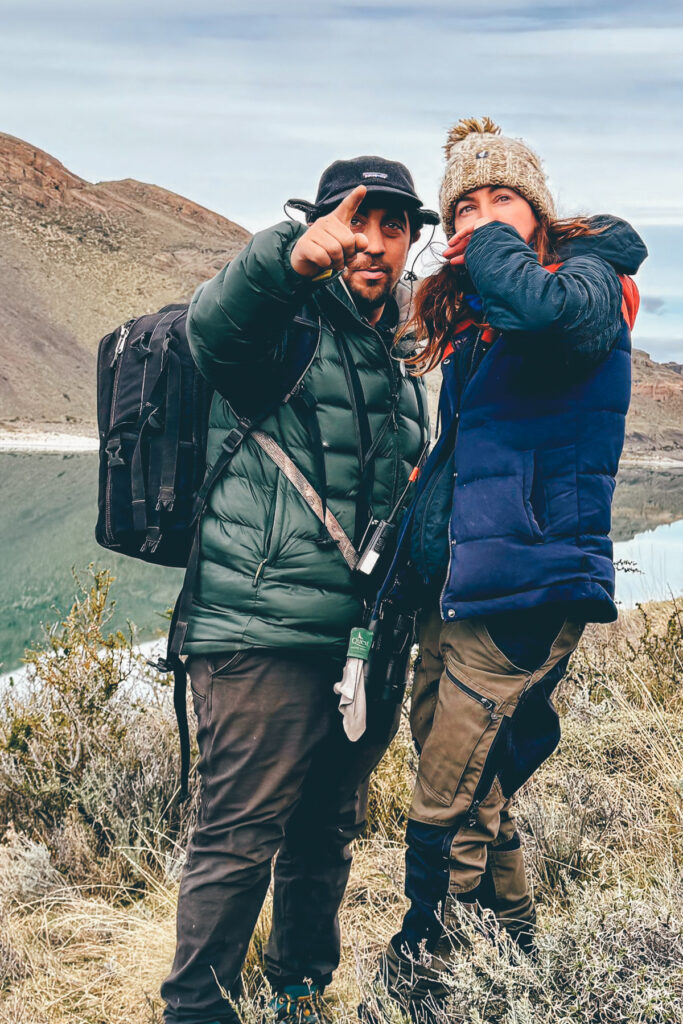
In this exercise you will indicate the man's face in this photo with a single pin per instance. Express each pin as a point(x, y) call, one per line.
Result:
point(373, 274)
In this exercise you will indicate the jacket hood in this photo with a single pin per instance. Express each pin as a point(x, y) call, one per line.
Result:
point(618, 244)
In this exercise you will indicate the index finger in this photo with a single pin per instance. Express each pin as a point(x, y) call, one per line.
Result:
point(349, 204)
point(462, 233)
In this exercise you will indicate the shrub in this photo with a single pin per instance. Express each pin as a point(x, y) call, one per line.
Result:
point(89, 751)
point(613, 957)
point(88, 775)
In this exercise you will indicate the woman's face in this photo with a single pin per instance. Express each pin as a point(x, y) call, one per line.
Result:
point(496, 203)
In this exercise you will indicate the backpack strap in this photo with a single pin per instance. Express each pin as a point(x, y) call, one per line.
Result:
point(183, 606)
point(310, 496)
point(163, 451)
point(306, 404)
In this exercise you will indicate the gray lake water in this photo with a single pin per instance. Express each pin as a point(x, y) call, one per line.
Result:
point(47, 521)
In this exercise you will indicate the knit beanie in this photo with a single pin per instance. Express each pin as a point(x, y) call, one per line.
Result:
point(478, 155)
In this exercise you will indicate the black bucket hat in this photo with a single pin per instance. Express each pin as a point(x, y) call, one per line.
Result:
point(378, 175)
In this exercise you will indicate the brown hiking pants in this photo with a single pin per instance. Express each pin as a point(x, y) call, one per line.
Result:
point(483, 722)
point(278, 777)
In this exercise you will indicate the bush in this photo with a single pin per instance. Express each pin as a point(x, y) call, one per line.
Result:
point(89, 752)
point(612, 958)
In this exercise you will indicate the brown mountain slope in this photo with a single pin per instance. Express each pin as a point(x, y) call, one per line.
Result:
point(75, 260)
point(655, 420)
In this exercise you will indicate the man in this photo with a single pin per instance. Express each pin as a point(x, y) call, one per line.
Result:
point(275, 598)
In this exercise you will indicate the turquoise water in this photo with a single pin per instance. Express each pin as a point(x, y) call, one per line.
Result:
point(47, 522)
point(47, 527)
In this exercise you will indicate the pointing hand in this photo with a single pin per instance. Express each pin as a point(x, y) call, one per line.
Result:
point(330, 241)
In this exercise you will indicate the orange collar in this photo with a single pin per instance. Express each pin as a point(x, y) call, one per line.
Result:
point(488, 334)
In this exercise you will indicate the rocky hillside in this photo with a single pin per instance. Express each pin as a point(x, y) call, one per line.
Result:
point(655, 422)
point(75, 260)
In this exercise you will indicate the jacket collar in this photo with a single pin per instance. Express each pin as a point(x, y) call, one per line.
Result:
point(396, 311)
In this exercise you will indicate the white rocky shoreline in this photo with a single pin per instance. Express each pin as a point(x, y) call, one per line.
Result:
point(27, 439)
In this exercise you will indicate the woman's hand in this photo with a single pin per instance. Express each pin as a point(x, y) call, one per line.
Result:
point(454, 252)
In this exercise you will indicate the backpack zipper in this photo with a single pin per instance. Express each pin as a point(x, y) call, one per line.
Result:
point(115, 363)
point(121, 343)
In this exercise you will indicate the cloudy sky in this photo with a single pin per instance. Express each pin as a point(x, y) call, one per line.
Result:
point(240, 104)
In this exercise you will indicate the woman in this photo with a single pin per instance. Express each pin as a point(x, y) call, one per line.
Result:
point(506, 541)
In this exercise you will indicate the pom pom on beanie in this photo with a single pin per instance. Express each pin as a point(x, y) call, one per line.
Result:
point(477, 156)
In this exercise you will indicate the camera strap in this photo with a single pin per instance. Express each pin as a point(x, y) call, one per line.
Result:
point(310, 496)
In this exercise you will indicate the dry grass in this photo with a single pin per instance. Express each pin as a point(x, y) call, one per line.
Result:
point(88, 888)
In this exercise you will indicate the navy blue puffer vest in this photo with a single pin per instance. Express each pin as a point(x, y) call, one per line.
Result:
point(514, 504)
point(536, 465)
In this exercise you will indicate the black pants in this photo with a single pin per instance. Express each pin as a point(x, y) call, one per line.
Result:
point(278, 774)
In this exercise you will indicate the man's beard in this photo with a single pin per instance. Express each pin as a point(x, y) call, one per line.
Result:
point(367, 303)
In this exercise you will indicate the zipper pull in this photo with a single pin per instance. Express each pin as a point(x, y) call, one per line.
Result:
point(394, 412)
point(121, 343)
point(294, 392)
point(472, 814)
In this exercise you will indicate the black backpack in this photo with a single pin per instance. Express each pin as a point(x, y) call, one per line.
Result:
point(152, 412)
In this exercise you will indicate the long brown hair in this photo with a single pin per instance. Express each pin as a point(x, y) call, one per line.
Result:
point(440, 302)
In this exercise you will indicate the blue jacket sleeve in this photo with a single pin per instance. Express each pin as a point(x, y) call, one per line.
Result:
point(579, 304)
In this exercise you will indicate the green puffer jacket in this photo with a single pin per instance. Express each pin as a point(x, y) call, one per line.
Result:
point(265, 579)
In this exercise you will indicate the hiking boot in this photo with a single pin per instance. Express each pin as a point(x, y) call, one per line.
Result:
point(299, 1004)
point(413, 985)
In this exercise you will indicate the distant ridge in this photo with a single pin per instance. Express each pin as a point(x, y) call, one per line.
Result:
point(655, 420)
point(76, 259)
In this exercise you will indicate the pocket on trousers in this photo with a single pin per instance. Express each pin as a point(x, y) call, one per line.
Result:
point(509, 880)
point(199, 676)
point(454, 754)
point(220, 664)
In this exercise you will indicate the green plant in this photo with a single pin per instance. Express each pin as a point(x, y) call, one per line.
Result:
point(88, 749)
